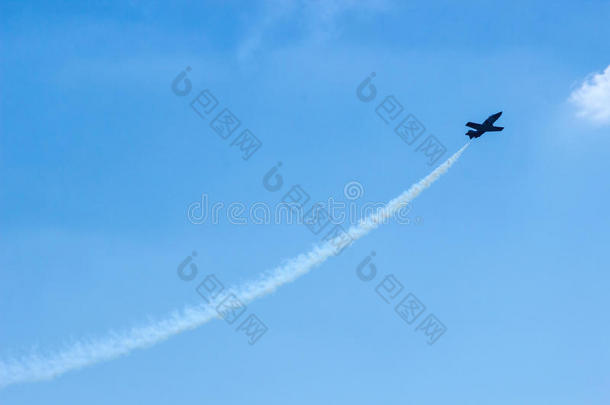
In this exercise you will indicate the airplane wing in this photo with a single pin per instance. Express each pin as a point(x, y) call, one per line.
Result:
point(493, 129)
point(474, 126)
point(492, 118)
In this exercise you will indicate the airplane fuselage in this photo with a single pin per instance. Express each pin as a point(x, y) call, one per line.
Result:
point(474, 134)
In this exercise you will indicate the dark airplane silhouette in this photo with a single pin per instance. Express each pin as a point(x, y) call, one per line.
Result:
point(487, 126)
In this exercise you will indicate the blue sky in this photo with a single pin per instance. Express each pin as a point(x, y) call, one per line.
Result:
point(99, 161)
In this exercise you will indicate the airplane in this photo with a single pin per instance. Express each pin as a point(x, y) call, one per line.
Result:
point(487, 126)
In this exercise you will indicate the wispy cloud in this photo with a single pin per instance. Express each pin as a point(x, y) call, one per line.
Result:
point(315, 20)
point(592, 98)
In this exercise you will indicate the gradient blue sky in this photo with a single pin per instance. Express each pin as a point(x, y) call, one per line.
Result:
point(99, 160)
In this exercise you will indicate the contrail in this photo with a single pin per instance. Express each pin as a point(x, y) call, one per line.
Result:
point(35, 367)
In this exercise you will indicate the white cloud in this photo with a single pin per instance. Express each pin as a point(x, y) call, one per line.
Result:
point(592, 98)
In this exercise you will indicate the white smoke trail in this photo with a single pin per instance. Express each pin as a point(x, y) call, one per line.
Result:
point(84, 353)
